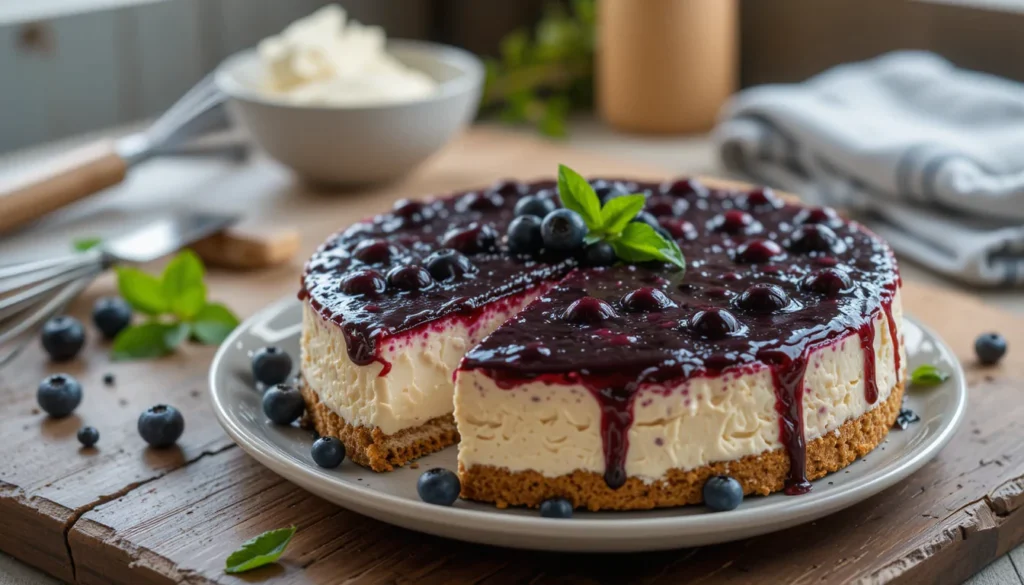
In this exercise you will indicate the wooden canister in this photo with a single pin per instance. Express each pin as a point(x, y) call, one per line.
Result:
point(665, 66)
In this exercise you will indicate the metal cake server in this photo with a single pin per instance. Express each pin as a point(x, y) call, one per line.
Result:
point(32, 292)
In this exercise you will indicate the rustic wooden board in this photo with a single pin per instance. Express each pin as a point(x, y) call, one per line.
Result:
point(128, 514)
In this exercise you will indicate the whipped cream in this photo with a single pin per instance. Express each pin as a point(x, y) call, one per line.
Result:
point(328, 59)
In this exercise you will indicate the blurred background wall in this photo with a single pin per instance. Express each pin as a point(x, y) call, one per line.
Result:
point(71, 66)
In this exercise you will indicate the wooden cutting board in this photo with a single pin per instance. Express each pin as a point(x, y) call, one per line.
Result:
point(126, 514)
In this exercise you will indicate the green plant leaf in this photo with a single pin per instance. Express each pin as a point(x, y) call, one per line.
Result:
point(148, 340)
point(142, 291)
point(577, 194)
point(262, 550)
point(640, 243)
point(176, 334)
point(182, 284)
point(619, 211)
point(928, 375)
point(83, 244)
point(213, 324)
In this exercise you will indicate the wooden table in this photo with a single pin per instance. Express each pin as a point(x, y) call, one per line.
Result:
point(128, 514)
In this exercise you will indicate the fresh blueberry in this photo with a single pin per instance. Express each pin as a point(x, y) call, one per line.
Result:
point(648, 218)
point(563, 230)
point(109, 379)
point(534, 205)
point(111, 315)
point(556, 508)
point(161, 425)
point(271, 365)
point(88, 436)
point(328, 452)
point(990, 347)
point(59, 395)
point(599, 254)
point(63, 337)
point(722, 493)
point(524, 235)
point(439, 486)
point(446, 264)
point(282, 404)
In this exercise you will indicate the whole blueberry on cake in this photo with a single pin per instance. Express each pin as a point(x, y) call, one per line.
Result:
point(612, 343)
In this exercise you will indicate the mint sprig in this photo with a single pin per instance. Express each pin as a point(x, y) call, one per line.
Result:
point(613, 222)
point(259, 551)
point(176, 306)
point(84, 244)
point(928, 375)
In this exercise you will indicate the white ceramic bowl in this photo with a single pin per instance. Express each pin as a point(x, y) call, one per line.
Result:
point(362, 144)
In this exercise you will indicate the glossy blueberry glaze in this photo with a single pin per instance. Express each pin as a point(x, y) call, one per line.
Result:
point(645, 325)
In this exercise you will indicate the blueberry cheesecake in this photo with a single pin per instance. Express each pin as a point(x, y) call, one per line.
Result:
point(616, 349)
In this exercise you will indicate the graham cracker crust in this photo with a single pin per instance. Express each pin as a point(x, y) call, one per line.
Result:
point(370, 447)
point(758, 474)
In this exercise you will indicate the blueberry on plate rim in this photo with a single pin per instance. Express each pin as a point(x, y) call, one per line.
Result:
point(990, 348)
point(88, 436)
point(438, 486)
point(328, 452)
point(63, 337)
point(271, 365)
point(722, 493)
point(161, 425)
point(59, 395)
point(556, 508)
point(111, 315)
point(282, 403)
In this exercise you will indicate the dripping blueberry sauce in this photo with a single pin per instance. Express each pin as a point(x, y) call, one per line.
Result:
point(775, 315)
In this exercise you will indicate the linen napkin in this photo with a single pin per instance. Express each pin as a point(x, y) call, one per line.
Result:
point(928, 156)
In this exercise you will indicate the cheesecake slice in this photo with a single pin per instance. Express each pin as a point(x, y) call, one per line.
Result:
point(390, 307)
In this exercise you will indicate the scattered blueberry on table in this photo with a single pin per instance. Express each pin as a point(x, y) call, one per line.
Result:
point(990, 348)
point(271, 365)
point(438, 486)
point(63, 337)
point(59, 395)
point(722, 493)
point(111, 315)
point(109, 379)
point(282, 403)
point(161, 425)
point(328, 452)
point(556, 508)
point(88, 436)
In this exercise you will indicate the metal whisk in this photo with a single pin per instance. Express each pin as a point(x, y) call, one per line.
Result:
point(36, 191)
point(33, 292)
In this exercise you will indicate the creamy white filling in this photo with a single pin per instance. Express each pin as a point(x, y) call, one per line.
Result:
point(556, 429)
point(419, 386)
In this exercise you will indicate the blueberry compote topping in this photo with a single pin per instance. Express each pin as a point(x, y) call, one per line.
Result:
point(615, 330)
point(767, 284)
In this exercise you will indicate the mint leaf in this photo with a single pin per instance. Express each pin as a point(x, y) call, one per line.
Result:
point(83, 244)
point(213, 324)
point(148, 340)
point(577, 194)
point(928, 375)
point(619, 211)
point(142, 291)
point(182, 284)
point(640, 243)
point(262, 550)
point(176, 334)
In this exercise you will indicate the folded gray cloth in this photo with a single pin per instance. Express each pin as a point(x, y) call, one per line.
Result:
point(929, 156)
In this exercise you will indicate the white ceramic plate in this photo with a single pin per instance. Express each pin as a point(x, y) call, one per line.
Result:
point(391, 497)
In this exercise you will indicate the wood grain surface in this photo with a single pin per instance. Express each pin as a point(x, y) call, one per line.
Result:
point(126, 514)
